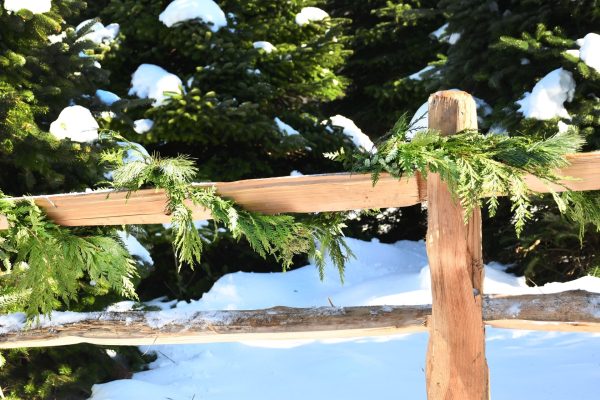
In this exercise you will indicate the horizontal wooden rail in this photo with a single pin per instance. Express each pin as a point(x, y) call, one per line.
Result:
point(568, 311)
point(303, 194)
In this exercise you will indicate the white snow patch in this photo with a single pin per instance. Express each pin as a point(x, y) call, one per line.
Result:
point(98, 33)
point(350, 129)
point(573, 52)
point(310, 14)
point(57, 38)
point(535, 363)
point(296, 173)
point(442, 35)
point(17, 321)
point(417, 76)
point(150, 81)
point(76, 123)
point(440, 32)
point(106, 97)
point(135, 248)
point(186, 10)
point(546, 100)
point(35, 6)
point(285, 128)
point(266, 46)
point(419, 121)
point(590, 50)
point(562, 127)
point(143, 125)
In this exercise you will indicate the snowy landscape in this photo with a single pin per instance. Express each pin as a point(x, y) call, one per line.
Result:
point(523, 364)
point(255, 89)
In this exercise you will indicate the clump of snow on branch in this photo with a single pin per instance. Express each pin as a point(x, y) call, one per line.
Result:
point(266, 46)
point(546, 100)
point(106, 97)
point(419, 121)
point(442, 35)
point(35, 6)
point(98, 33)
point(358, 137)
point(310, 14)
point(186, 10)
point(142, 125)
point(417, 76)
point(285, 128)
point(150, 81)
point(135, 248)
point(590, 51)
point(75, 123)
point(57, 38)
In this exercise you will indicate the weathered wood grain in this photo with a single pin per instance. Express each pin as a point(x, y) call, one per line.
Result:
point(312, 193)
point(456, 364)
point(577, 311)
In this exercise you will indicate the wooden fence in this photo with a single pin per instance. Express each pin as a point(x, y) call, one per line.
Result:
point(456, 364)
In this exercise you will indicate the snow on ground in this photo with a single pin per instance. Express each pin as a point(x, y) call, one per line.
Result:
point(350, 129)
point(285, 128)
point(523, 364)
point(142, 125)
point(35, 6)
point(98, 33)
point(150, 81)
point(76, 123)
point(546, 100)
point(185, 10)
point(266, 46)
point(310, 14)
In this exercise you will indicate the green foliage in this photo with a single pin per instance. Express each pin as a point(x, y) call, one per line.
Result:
point(279, 236)
point(37, 79)
point(65, 373)
point(390, 41)
point(233, 91)
point(43, 263)
point(476, 166)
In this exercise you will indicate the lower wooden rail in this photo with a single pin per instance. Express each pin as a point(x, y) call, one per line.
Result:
point(568, 311)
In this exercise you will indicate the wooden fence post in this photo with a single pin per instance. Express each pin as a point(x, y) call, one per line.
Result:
point(456, 364)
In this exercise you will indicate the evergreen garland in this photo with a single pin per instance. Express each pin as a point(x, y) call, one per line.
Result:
point(280, 236)
point(476, 166)
point(43, 263)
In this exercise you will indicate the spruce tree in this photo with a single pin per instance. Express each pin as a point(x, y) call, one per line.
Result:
point(237, 79)
point(43, 69)
point(41, 74)
point(245, 102)
point(393, 49)
point(503, 51)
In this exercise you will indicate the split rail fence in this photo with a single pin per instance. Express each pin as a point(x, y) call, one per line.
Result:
point(456, 364)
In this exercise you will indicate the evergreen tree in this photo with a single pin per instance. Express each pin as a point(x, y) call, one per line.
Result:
point(392, 49)
point(246, 94)
point(41, 73)
point(504, 49)
point(256, 65)
point(391, 43)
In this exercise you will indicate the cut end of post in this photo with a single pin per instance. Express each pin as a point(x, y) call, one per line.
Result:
point(452, 111)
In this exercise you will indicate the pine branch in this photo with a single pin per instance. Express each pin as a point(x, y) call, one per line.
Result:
point(476, 166)
point(278, 236)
